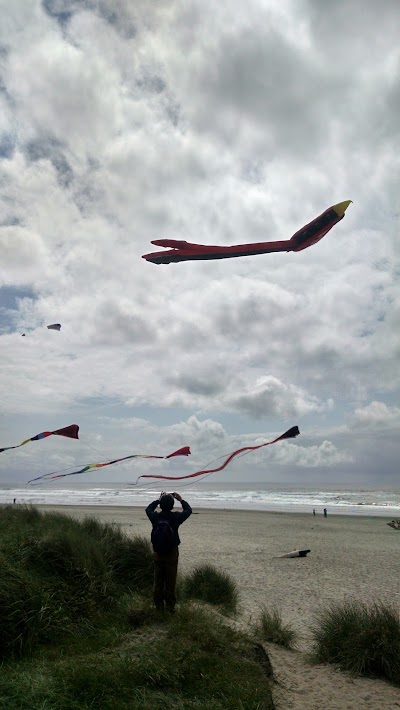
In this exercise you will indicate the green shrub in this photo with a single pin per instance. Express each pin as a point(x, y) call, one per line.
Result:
point(209, 585)
point(363, 639)
point(271, 628)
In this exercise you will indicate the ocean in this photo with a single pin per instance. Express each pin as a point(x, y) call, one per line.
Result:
point(241, 496)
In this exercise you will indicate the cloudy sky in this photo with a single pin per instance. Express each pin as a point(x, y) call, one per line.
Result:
point(219, 123)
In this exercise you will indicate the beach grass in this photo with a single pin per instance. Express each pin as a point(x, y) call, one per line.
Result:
point(363, 639)
point(208, 584)
point(79, 630)
point(59, 575)
point(191, 660)
point(270, 627)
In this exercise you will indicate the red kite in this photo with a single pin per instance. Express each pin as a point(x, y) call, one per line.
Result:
point(306, 236)
point(70, 431)
point(290, 434)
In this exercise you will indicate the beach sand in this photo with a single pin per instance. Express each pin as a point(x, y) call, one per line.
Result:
point(352, 557)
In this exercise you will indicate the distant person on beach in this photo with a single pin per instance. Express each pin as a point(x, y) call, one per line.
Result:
point(165, 541)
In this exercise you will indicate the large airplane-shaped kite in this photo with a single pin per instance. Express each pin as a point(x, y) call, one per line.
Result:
point(306, 236)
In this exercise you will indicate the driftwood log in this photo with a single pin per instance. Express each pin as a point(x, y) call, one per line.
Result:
point(395, 524)
point(295, 553)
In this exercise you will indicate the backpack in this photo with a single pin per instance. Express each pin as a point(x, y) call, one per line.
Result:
point(162, 537)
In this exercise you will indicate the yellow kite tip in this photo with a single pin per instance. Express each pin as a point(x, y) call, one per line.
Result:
point(341, 207)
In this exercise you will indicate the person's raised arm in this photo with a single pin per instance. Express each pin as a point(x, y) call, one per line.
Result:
point(150, 510)
point(186, 509)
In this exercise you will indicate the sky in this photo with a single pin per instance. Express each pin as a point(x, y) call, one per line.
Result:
point(218, 123)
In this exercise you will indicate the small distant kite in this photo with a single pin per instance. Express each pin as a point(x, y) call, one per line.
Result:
point(184, 451)
point(70, 431)
point(290, 434)
point(53, 326)
point(306, 236)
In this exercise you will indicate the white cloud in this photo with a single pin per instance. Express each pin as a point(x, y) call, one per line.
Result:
point(376, 415)
point(273, 397)
point(24, 254)
point(325, 454)
point(121, 124)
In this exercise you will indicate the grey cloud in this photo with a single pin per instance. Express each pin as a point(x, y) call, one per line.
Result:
point(268, 80)
point(206, 386)
point(60, 10)
point(7, 145)
point(152, 83)
point(352, 26)
point(10, 222)
point(46, 148)
point(114, 13)
point(271, 397)
point(116, 323)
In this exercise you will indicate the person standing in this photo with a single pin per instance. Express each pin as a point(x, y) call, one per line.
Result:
point(165, 541)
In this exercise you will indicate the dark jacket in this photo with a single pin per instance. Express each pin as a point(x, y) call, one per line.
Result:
point(174, 518)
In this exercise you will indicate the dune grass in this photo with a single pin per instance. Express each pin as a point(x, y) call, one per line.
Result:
point(270, 627)
point(79, 631)
point(59, 575)
point(206, 583)
point(363, 639)
point(190, 661)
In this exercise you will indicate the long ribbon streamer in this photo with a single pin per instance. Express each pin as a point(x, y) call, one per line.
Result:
point(290, 434)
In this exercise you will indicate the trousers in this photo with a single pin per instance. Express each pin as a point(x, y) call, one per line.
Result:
point(165, 573)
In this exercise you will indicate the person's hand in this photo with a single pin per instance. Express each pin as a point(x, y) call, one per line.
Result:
point(177, 497)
